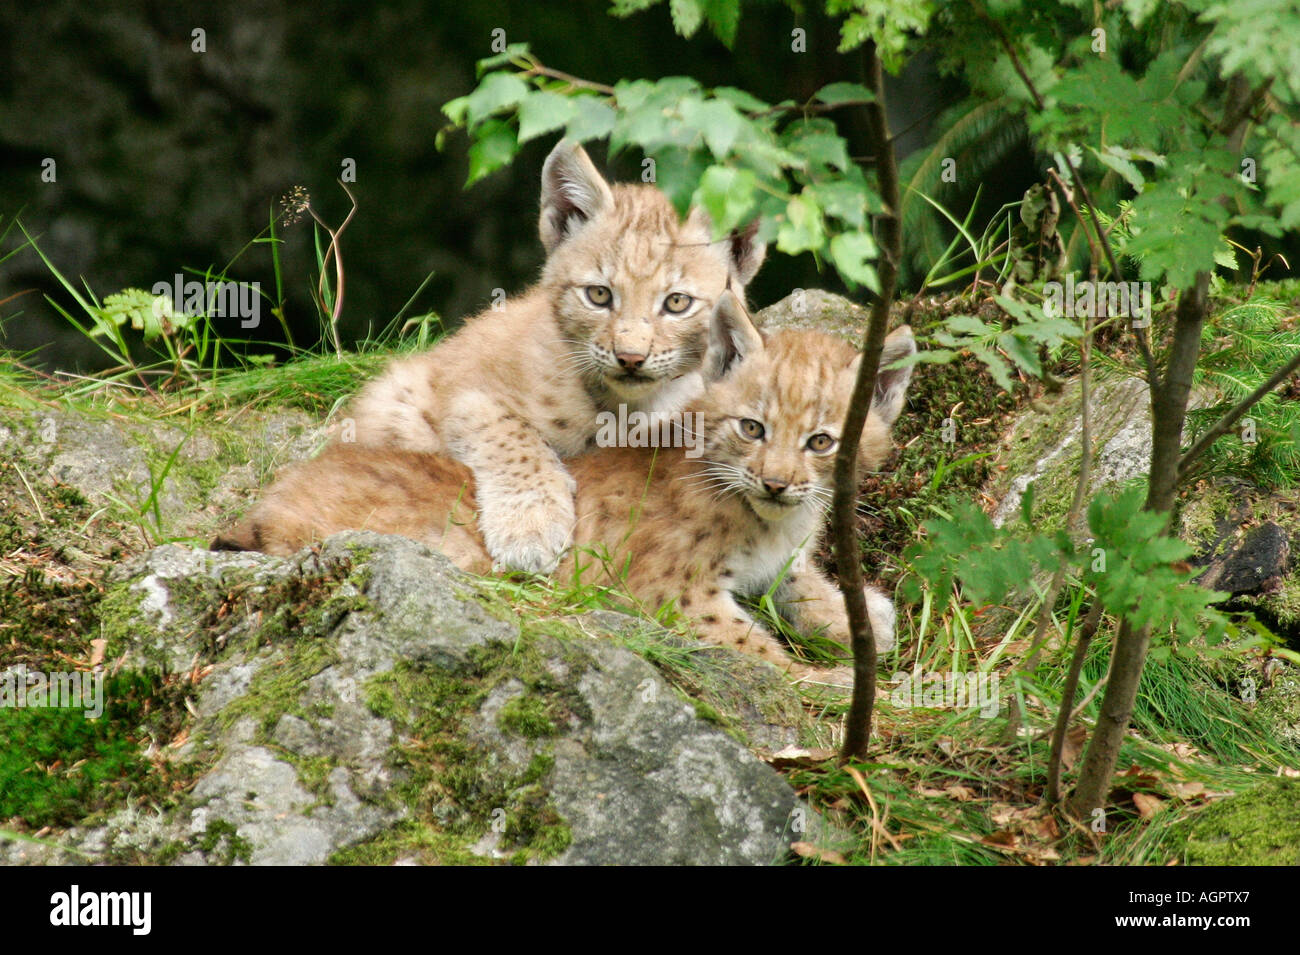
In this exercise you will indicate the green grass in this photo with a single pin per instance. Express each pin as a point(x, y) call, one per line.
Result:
point(942, 787)
point(57, 765)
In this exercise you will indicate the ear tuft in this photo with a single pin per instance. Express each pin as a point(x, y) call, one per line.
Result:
point(891, 383)
point(733, 338)
point(747, 253)
point(573, 192)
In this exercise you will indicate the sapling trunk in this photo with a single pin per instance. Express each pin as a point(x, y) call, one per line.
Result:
point(844, 527)
point(1169, 398)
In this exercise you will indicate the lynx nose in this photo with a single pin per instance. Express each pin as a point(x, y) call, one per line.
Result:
point(630, 360)
point(775, 486)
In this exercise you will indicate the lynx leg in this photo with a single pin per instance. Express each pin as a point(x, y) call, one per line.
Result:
point(525, 495)
point(813, 601)
point(718, 619)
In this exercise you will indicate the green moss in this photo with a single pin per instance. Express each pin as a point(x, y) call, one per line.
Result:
point(1257, 827)
point(410, 839)
point(314, 774)
point(526, 716)
point(275, 689)
point(707, 713)
point(222, 840)
point(453, 785)
point(170, 852)
point(57, 765)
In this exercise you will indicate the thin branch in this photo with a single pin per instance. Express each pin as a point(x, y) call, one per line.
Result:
point(334, 250)
point(1139, 334)
point(1068, 693)
point(1080, 487)
point(858, 724)
point(1224, 424)
point(537, 69)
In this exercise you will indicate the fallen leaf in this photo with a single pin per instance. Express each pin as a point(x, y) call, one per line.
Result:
point(1147, 804)
point(794, 757)
point(1002, 839)
point(1045, 828)
point(1001, 813)
point(807, 850)
point(1075, 737)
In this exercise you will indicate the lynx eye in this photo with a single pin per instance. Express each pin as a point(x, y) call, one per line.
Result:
point(751, 429)
point(820, 443)
point(599, 295)
point(677, 303)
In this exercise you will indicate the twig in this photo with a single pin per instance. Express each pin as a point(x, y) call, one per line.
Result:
point(334, 250)
point(1067, 712)
point(857, 732)
point(1138, 334)
point(1080, 484)
point(1222, 426)
point(536, 68)
point(30, 492)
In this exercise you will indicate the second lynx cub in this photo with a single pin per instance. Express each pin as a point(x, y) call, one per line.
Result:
point(620, 316)
point(661, 524)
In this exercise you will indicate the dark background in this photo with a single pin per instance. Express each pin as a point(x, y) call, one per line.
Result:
point(170, 159)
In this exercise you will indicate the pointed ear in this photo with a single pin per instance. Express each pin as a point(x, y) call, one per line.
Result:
point(747, 253)
point(891, 383)
point(573, 192)
point(744, 252)
point(732, 337)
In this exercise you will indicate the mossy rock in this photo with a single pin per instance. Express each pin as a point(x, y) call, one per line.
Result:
point(366, 702)
point(1258, 827)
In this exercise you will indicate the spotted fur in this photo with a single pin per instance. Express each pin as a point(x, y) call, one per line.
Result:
point(663, 526)
point(518, 390)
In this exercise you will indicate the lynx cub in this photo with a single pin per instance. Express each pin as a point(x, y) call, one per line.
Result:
point(667, 526)
point(620, 316)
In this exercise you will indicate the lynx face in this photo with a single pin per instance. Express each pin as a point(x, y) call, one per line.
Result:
point(633, 286)
point(773, 426)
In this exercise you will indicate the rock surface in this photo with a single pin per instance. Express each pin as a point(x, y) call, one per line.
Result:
point(368, 702)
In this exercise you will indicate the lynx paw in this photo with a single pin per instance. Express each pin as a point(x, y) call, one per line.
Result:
point(530, 537)
point(880, 611)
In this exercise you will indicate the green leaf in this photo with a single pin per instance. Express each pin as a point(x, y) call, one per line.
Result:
point(844, 93)
point(497, 91)
point(1022, 352)
point(717, 120)
point(687, 16)
point(802, 230)
point(1113, 158)
point(494, 146)
point(146, 312)
point(592, 119)
point(746, 102)
point(853, 253)
point(818, 143)
point(724, 19)
point(542, 112)
point(848, 200)
point(511, 52)
point(455, 109)
point(969, 325)
point(727, 195)
point(996, 366)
